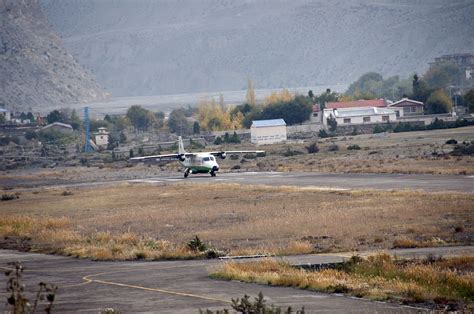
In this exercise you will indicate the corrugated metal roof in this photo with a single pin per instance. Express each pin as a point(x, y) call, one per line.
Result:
point(267, 123)
point(4, 110)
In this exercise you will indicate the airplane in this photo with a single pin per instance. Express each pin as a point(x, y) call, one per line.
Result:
point(202, 162)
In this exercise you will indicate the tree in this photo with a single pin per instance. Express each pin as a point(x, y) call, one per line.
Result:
point(178, 122)
point(420, 89)
point(196, 128)
point(325, 97)
point(2, 119)
point(54, 116)
point(439, 102)
point(469, 100)
point(74, 120)
point(30, 117)
point(250, 96)
point(140, 118)
point(310, 94)
point(122, 138)
point(332, 123)
point(295, 111)
point(441, 75)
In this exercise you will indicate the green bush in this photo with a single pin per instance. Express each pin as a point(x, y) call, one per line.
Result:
point(322, 133)
point(312, 148)
point(196, 245)
point(288, 152)
point(353, 147)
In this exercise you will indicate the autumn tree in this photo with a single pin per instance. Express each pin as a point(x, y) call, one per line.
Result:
point(275, 97)
point(250, 96)
point(438, 102)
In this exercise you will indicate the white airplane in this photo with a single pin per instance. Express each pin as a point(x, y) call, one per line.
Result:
point(202, 162)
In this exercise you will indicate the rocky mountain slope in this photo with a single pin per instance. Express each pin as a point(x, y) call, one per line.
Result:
point(146, 47)
point(36, 70)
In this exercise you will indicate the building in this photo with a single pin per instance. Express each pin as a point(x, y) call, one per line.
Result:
point(101, 137)
point(316, 115)
point(355, 116)
point(407, 107)
point(268, 131)
point(465, 61)
point(6, 114)
point(63, 127)
point(378, 103)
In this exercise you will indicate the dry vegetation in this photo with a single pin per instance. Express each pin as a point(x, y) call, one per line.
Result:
point(410, 152)
point(132, 221)
point(433, 282)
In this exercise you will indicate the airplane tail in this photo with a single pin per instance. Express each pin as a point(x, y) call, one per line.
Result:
point(181, 146)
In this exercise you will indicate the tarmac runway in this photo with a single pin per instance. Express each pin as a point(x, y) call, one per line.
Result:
point(180, 286)
point(333, 180)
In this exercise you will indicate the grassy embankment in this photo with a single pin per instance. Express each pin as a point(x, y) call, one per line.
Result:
point(149, 222)
point(434, 282)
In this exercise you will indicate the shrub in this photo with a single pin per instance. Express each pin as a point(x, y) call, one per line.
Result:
point(66, 193)
point(218, 140)
point(378, 129)
point(322, 133)
point(196, 245)
point(451, 141)
point(236, 167)
point(9, 197)
point(333, 148)
point(250, 156)
point(353, 147)
point(312, 148)
point(259, 306)
point(288, 152)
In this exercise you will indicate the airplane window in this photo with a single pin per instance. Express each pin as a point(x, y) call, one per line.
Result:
point(206, 158)
point(211, 158)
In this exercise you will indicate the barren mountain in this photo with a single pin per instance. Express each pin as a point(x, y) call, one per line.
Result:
point(146, 47)
point(35, 69)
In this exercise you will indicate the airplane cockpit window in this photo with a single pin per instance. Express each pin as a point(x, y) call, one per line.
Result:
point(211, 158)
point(206, 158)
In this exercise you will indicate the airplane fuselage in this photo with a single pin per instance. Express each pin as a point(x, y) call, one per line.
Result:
point(200, 163)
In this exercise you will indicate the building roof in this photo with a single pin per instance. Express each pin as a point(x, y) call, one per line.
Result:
point(316, 108)
point(59, 124)
point(414, 102)
point(357, 103)
point(268, 123)
point(4, 110)
point(354, 112)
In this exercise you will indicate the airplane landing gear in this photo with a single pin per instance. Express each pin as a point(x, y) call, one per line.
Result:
point(213, 174)
point(186, 173)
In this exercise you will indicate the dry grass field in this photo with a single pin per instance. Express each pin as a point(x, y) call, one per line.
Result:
point(131, 221)
point(443, 284)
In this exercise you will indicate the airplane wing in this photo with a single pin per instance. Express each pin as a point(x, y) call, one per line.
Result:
point(236, 152)
point(162, 157)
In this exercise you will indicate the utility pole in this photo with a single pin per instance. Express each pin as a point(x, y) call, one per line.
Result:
point(87, 147)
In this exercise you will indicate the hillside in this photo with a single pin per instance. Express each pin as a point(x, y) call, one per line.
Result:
point(149, 47)
point(36, 70)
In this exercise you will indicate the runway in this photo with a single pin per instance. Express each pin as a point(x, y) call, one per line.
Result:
point(181, 286)
point(344, 181)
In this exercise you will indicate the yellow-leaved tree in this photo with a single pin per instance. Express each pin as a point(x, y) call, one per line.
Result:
point(275, 97)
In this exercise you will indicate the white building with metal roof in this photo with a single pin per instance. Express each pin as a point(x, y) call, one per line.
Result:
point(6, 114)
point(363, 115)
point(268, 131)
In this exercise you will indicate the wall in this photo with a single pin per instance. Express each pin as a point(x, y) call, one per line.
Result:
point(268, 135)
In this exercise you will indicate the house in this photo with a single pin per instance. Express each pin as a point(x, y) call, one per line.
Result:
point(63, 127)
point(378, 103)
point(6, 114)
point(363, 115)
point(316, 115)
point(406, 107)
point(101, 137)
point(268, 131)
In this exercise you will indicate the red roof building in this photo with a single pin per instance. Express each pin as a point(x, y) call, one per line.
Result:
point(357, 103)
